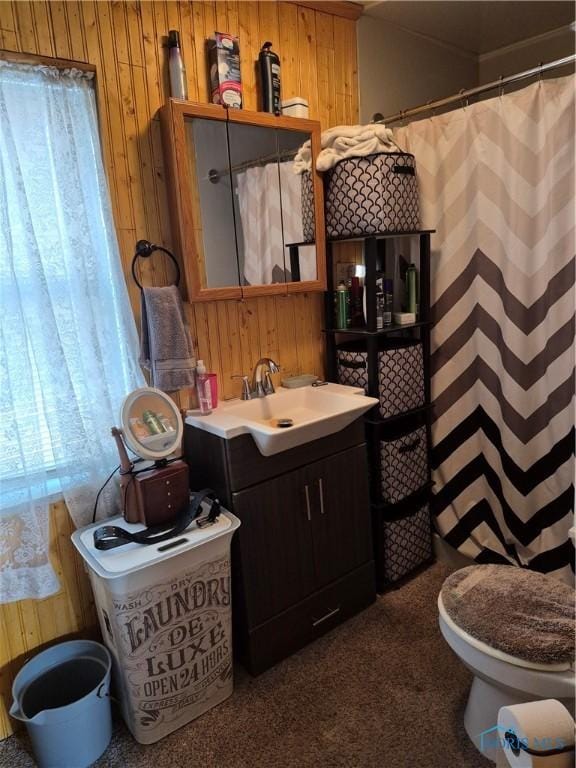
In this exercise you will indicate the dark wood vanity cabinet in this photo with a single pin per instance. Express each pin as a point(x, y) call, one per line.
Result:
point(302, 557)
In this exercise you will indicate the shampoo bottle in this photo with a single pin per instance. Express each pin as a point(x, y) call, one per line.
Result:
point(178, 87)
point(270, 79)
point(203, 387)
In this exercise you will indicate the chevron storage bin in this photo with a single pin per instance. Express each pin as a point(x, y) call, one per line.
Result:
point(403, 465)
point(400, 373)
point(407, 544)
point(371, 195)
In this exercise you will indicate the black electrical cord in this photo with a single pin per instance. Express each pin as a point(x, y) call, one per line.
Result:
point(110, 476)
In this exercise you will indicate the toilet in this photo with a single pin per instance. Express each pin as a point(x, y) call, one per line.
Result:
point(502, 678)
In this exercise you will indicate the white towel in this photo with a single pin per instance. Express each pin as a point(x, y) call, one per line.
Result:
point(344, 141)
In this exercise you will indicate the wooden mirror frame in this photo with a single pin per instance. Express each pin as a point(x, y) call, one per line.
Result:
point(173, 117)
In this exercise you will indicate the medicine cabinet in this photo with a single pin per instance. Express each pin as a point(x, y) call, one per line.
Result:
point(245, 223)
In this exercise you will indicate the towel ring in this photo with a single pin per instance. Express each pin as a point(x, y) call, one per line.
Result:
point(144, 248)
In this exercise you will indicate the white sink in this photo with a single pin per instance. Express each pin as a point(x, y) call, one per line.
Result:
point(314, 412)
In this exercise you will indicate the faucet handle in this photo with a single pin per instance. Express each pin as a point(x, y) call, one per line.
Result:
point(246, 393)
point(268, 385)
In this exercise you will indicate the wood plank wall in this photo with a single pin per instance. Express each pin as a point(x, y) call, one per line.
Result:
point(124, 41)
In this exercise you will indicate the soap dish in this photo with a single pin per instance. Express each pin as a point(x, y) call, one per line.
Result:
point(293, 382)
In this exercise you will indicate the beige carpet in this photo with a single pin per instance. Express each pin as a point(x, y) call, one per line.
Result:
point(381, 691)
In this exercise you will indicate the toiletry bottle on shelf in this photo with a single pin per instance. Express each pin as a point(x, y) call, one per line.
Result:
point(342, 306)
point(379, 300)
point(356, 313)
point(204, 389)
point(411, 289)
point(270, 79)
point(178, 88)
point(388, 307)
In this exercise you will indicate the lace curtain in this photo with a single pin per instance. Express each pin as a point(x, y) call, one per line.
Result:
point(68, 342)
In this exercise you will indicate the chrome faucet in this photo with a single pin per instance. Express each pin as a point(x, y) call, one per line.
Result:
point(260, 387)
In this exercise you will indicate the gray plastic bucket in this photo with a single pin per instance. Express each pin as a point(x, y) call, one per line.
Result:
point(63, 696)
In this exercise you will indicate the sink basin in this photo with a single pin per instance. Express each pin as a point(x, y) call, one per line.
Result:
point(308, 413)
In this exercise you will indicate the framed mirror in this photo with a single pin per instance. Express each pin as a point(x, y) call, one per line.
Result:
point(245, 223)
point(151, 423)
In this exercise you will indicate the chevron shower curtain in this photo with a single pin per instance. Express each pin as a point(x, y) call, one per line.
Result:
point(497, 183)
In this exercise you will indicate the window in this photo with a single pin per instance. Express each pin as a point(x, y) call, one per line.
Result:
point(68, 342)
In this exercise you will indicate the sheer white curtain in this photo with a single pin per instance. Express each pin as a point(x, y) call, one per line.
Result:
point(68, 342)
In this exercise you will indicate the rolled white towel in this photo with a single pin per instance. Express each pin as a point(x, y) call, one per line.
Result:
point(356, 134)
point(344, 141)
point(303, 158)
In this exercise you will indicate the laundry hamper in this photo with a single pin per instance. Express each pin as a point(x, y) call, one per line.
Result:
point(403, 465)
point(371, 195)
point(166, 617)
point(406, 544)
point(400, 373)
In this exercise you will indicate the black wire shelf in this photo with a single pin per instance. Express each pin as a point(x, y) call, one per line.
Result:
point(380, 236)
point(393, 328)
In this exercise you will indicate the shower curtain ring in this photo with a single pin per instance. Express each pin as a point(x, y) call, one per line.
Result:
point(463, 101)
point(431, 109)
point(540, 72)
point(501, 91)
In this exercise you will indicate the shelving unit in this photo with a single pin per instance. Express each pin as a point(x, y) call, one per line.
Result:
point(377, 427)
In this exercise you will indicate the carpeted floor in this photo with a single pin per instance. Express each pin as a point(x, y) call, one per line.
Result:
point(381, 691)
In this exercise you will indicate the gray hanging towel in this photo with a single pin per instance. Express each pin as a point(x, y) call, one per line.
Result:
point(165, 344)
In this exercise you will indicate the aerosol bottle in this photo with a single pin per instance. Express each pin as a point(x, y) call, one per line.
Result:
point(178, 87)
point(270, 79)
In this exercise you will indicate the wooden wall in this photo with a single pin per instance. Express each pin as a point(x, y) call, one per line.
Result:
point(124, 41)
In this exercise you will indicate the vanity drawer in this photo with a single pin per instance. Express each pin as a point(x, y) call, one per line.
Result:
point(293, 629)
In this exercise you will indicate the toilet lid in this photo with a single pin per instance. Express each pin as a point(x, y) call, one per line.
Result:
point(522, 613)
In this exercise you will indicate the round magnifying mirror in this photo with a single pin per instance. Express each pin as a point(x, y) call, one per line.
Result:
point(151, 423)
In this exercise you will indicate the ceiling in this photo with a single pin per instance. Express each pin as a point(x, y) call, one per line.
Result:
point(475, 26)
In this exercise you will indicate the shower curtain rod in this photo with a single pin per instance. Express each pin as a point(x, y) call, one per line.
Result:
point(464, 94)
point(284, 154)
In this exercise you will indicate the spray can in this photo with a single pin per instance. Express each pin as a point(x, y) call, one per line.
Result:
point(178, 87)
point(412, 289)
point(342, 306)
point(270, 79)
point(388, 301)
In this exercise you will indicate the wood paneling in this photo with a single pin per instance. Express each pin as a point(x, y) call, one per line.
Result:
point(30, 624)
point(123, 40)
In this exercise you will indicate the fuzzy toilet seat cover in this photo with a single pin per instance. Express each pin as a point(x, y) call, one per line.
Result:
point(514, 610)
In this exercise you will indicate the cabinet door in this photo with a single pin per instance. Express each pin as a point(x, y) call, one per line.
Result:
point(341, 527)
point(275, 545)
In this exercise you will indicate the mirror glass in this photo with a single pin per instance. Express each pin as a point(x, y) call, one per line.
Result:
point(151, 423)
point(258, 211)
point(297, 203)
point(212, 202)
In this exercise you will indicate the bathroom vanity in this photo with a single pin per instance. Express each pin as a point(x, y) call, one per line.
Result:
point(302, 559)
